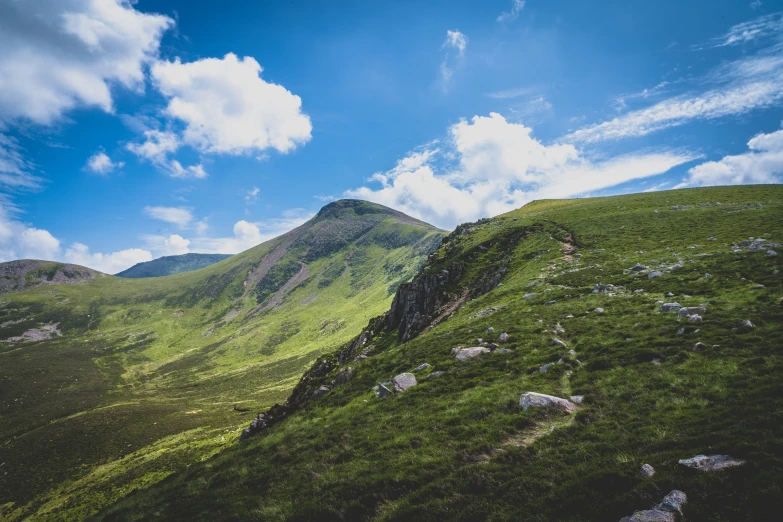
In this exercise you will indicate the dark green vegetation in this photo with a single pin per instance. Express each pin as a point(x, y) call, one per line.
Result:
point(113, 384)
point(170, 265)
point(30, 273)
point(458, 447)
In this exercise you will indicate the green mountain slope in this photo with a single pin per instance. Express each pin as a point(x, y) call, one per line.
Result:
point(577, 287)
point(171, 265)
point(115, 383)
point(25, 274)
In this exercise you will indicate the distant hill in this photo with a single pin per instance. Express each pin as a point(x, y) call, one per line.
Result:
point(170, 265)
point(24, 274)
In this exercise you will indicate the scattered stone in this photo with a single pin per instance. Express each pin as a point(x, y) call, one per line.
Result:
point(577, 399)
point(404, 381)
point(647, 471)
point(694, 318)
point(639, 268)
point(599, 310)
point(653, 275)
point(503, 338)
point(601, 289)
point(383, 391)
point(321, 390)
point(482, 313)
point(698, 346)
point(746, 323)
point(546, 367)
point(673, 502)
point(656, 362)
point(540, 400)
point(670, 510)
point(771, 253)
point(711, 462)
point(435, 374)
point(638, 291)
point(707, 276)
point(687, 311)
point(669, 294)
point(681, 330)
point(558, 342)
point(558, 329)
point(490, 330)
point(530, 295)
point(421, 367)
point(553, 301)
point(572, 353)
point(670, 307)
point(464, 354)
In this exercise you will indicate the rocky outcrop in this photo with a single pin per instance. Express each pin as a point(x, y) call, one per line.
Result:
point(670, 510)
point(465, 354)
point(24, 274)
point(711, 462)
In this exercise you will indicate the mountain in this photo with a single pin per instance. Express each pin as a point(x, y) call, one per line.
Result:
point(170, 265)
point(654, 319)
point(113, 384)
point(24, 274)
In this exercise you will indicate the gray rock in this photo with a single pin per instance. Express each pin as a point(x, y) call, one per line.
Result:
point(599, 310)
point(647, 471)
point(681, 330)
point(343, 376)
point(673, 502)
point(528, 296)
point(711, 462)
point(638, 291)
point(694, 318)
point(670, 307)
point(746, 323)
point(545, 368)
point(577, 399)
point(464, 354)
point(669, 294)
point(638, 268)
point(403, 382)
point(321, 390)
point(504, 350)
point(707, 276)
point(421, 367)
point(540, 400)
point(558, 342)
point(503, 338)
point(490, 330)
point(771, 253)
point(383, 391)
point(691, 310)
point(435, 374)
point(649, 515)
point(653, 275)
point(698, 346)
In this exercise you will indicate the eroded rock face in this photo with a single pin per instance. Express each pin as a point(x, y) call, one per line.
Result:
point(465, 354)
point(540, 400)
point(711, 462)
point(403, 382)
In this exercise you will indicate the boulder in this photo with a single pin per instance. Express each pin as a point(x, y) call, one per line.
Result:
point(647, 471)
point(382, 391)
point(638, 268)
point(746, 323)
point(421, 367)
point(529, 296)
point(464, 354)
point(653, 275)
point(560, 343)
point(320, 391)
point(404, 381)
point(599, 310)
point(490, 330)
point(670, 510)
point(540, 400)
point(711, 462)
point(670, 307)
point(577, 399)
point(503, 338)
point(691, 310)
point(545, 368)
point(694, 318)
point(673, 502)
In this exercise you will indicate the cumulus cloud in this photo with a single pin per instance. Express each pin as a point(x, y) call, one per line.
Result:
point(157, 148)
point(227, 107)
point(455, 45)
point(171, 245)
point(247, 235)
point(15, 169)
point(762, 163)
point(79, 254)
point(61, 54)
point(513, 13)
point(101, 163)
point(180, 216)
point(500, 166)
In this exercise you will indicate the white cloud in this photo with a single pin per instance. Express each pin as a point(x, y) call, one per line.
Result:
point(175, 245)
point(228, 108)
point(750, 31)
point(247, 235)
point(20, 241)
point(202, 226)
point(509, 93)
point(252, 196)
point(179, 216)
point(748, 84)
point(511, 15)
point(61, 54)
point(500, 167)
point(101, 163)
point(156, 148)
point(79, 254)
point(455, 41)
point(762, 163)
point(15, 170)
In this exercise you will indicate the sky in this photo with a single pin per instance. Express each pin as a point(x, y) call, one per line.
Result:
point(132, 130)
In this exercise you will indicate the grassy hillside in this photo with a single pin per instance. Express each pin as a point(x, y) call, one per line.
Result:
point(656, 388)
point(115, 383)
point(171, 265)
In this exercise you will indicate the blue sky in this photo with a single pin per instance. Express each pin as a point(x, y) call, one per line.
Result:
point(131, 130)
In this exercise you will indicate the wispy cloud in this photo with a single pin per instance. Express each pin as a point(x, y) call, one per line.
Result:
point(180, 216)
point(455, 45)
point(750, 31)
point(509, 93)
point(513, 13)
point(16, 171)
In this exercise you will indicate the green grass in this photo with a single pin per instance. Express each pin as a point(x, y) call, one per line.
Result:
point(144, 379)
point(458, 447)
